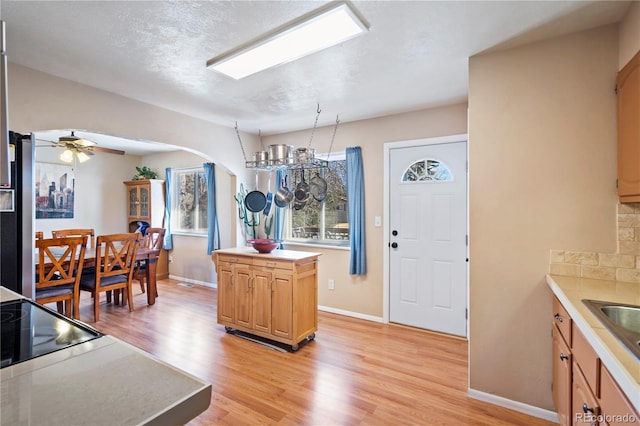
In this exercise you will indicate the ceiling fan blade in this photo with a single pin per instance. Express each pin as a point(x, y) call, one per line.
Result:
point(107, 150)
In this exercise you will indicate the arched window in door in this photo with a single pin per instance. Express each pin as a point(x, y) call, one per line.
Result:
point(428, 170)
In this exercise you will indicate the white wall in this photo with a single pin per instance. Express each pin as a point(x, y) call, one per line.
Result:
point(542, 172)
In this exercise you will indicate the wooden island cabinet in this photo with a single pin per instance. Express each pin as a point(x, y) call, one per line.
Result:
point(272, 295)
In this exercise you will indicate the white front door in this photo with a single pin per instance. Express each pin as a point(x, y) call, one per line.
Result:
point(428, 237)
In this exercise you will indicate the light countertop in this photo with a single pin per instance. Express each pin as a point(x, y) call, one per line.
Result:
point(291, 255)
point(101, 382)
point(621, 363)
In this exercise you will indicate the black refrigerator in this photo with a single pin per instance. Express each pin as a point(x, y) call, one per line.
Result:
point(17, 216)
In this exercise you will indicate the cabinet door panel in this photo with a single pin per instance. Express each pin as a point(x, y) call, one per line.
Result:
point(281, 299)
point(585, 408)
point(262, 301)
point(615, 406)
point(628, 116)
point(562, 361)
point(226, 297)
point(133, 201)
point(243, 293)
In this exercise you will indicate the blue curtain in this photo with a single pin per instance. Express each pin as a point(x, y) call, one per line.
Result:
point(168, 239)
point(279, 215)
point(213, 233)
point(355, 211)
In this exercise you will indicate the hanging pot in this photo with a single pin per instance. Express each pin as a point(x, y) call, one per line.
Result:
point(255, 201)
point(302, 190)
point(318, 187)
point(284, 195)
point(280, 154)
point(261, 158)
point(304, 155)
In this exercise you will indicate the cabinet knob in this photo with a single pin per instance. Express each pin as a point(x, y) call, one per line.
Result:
point(563, 357)
point(558, 318)
point(587, 409)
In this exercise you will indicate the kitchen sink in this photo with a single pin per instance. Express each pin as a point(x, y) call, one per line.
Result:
point(622, 320)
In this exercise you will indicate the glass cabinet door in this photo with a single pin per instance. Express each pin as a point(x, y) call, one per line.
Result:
point(133, 201)
point(144, 202)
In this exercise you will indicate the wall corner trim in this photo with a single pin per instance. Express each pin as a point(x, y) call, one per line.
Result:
point(551, 416)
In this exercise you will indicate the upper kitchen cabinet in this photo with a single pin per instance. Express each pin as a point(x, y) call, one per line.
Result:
point(145, 203)
point(628, 90)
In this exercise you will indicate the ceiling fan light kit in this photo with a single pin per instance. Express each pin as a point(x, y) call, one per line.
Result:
point(322, 28)
point(78, 148)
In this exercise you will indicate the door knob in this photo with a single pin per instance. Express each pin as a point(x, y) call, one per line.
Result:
point(394, 245)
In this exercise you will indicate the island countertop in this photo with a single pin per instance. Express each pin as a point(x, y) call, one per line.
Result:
point(277, 254)
point(104, 381)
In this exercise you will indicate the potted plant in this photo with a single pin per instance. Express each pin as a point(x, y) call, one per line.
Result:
point(144, 173)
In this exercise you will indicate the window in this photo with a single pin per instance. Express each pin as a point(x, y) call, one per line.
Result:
point(428, 170)
point(321, 222)
point(189, 201)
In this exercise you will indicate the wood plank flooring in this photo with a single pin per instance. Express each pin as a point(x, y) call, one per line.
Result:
point(356, 372)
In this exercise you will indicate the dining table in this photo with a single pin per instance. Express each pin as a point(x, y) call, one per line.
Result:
point(145, 254)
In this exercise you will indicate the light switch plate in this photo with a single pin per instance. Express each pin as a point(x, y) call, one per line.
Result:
point(377, 221)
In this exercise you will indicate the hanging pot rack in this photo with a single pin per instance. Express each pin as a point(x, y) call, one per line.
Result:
point(290, 162)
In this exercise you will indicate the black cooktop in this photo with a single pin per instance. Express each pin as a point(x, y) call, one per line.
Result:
point(30, 330)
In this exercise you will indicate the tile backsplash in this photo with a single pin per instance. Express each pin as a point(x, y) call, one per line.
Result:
point(621, 266)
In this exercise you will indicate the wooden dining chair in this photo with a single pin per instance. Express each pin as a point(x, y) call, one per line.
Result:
point(39, 235)
point(115, 261)
point(152, 239)
point(58, 273)
point(89, 232)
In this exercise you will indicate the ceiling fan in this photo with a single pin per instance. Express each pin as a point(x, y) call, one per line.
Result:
point(82, 148)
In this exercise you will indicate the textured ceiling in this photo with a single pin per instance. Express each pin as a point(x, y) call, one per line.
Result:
point(414, 56)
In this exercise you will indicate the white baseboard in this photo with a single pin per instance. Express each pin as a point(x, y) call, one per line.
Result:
point(192, 281)
point(350, 314)
point(513, 405)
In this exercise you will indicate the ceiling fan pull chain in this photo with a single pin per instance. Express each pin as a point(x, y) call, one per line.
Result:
point(335, 129)
point(240, 140)
point(314, 126)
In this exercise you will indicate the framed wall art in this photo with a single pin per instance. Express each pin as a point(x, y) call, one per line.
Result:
point(54, 191)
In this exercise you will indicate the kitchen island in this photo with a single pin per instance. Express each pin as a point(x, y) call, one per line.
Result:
point(103, 381)
point(271, 295)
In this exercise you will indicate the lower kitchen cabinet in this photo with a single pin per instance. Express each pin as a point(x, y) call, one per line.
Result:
point(583, 390)
point(562, 362)
point(272, 295)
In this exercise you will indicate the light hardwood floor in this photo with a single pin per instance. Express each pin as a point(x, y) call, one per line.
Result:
point(356, 372)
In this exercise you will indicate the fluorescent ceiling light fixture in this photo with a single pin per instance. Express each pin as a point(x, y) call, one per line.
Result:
point(317, 30)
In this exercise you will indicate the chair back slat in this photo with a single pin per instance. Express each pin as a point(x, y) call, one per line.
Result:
point(60, 260)
point(77, 232)
point(153, 238)
point(60, 263)
point(115, 254)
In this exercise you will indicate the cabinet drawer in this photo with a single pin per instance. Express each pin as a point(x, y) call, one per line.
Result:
point(589, 362)
point(613, 403)
point(226, 258)
point(277, 264)
point(562, 320)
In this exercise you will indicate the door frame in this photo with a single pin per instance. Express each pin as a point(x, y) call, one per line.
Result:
point(388, 146)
